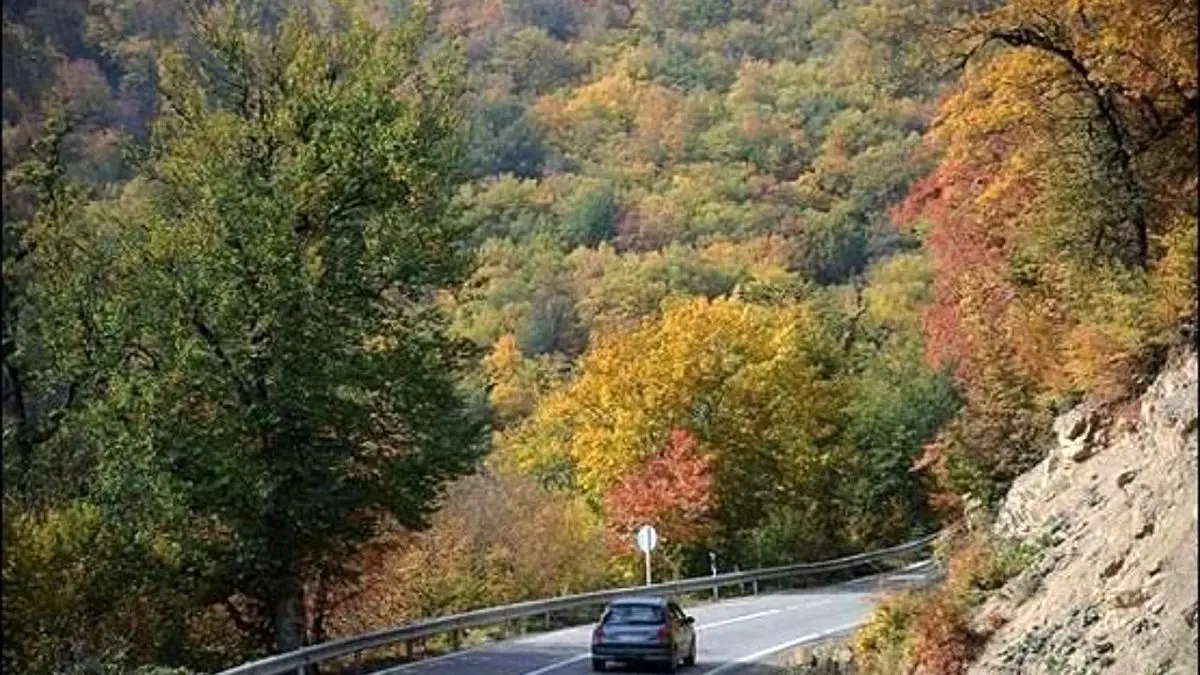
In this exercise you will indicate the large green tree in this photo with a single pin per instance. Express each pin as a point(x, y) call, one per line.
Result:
point(285, 382)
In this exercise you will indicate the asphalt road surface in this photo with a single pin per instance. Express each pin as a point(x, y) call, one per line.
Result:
point(742, 636)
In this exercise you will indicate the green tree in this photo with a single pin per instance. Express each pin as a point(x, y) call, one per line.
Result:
point(589, 217)
point(536, 62)
point(298, 383)
point(503, 139)
point(897, 407)
point(53, 281)
point(61, 349)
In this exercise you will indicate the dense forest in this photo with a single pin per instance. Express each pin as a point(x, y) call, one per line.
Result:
point(323, 317)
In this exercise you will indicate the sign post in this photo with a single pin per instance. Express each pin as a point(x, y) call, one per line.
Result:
point(647, 539)
point(712, 565)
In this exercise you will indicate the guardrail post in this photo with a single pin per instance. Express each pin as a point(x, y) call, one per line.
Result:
point(456, 639)
point(755, 584)
point(546, 620)
point(408, 649)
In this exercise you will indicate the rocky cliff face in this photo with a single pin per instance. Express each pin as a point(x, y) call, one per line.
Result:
point(1114, 505)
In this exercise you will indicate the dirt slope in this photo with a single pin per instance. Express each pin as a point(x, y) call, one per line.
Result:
point(1115, 505)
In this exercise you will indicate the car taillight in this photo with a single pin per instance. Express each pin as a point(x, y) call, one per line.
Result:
point(664, 634)
point(597, 635)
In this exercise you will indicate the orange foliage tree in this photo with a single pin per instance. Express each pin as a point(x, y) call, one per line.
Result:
point(498, 538)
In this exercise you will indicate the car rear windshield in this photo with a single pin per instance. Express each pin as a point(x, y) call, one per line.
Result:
point(634, 615)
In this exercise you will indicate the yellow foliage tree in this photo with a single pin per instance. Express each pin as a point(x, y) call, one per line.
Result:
point(752, 382)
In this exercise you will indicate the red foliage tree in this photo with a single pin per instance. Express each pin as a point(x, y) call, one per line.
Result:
point(977, 324)
point(968, 248)
point(672, 491)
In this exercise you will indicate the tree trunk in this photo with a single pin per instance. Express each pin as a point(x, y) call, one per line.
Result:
point(320, 598)
point(287, 617)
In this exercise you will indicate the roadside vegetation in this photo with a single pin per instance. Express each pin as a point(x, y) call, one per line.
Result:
point(323, 317)
point(933, 631)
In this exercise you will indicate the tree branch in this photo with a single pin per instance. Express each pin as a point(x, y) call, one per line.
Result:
point(214, 347)
point(1123, 152)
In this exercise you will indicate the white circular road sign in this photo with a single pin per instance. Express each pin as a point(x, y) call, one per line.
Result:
point(647, 538)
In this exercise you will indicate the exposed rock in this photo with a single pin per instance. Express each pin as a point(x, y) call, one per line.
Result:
point(1022, 588)
point(1143, 523)
point(1079, 433)
point(1113, 567)
point(1072, 425)
point(1144, 624)
point(1077, 452)
point(1130, 597)
point(1115, 588)
point(1125, 425)
point(832, 658)
point(1144, 530)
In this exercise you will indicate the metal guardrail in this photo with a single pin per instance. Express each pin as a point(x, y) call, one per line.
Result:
point(291, 662)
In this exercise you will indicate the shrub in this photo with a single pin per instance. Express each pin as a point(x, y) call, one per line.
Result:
point(929, 632)
point(943, 643)
point(83, 594)
point(985, 563)
point(497, 539)
point(884, 645)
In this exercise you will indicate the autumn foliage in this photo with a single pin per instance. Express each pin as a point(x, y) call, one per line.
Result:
point(1056, 225)
point(498, 538)
point(1056, 218)
point(711, 243)
point(673, 491)
point(944, 643)
point(930, 631)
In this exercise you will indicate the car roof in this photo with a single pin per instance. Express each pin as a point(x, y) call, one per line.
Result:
point(641, 600)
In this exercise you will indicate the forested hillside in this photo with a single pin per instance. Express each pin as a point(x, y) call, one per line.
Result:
point(326, 317)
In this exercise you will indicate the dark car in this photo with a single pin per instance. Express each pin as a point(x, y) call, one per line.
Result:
point(651, 630)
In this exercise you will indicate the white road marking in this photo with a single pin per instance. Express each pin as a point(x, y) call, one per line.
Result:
point(737, 619)
point(580, 657)
point(810, 605)
point(779, 647)
point(551, 637)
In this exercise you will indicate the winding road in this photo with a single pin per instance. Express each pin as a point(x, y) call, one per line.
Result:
point(742, 636)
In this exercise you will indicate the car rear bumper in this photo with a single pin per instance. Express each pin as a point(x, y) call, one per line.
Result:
point(631, 653)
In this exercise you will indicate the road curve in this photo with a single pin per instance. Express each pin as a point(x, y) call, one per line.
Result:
point(737, 637)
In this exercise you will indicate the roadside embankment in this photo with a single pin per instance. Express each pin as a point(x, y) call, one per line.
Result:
point(1115, 501)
